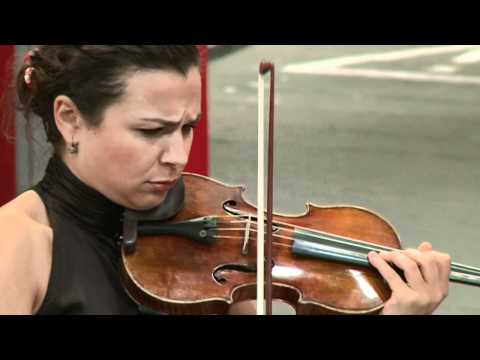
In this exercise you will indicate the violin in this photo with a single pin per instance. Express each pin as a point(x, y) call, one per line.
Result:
point(203, 259)
point(203, 250)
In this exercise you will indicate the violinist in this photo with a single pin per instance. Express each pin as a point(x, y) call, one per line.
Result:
point(121, 121)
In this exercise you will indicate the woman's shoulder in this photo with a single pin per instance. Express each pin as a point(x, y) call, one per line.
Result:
point(19, 225)
point(25, 246)
point(27, 207)
point(24, 224)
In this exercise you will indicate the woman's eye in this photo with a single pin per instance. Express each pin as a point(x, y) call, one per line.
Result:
point(151, 132)
point(190, 127)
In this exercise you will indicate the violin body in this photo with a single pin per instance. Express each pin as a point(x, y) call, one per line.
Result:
point(177, 275)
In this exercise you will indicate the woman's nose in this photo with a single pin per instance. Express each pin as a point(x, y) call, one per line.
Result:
point(177, 151)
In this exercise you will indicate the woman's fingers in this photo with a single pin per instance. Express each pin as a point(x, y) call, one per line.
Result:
point(391, 276)
point(410, 268)
point(427, 279)
point(429, 267)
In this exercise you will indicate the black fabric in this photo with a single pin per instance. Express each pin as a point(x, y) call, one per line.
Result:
point(86, 258)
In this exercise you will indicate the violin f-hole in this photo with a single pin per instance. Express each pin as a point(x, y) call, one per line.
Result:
point(224, 272)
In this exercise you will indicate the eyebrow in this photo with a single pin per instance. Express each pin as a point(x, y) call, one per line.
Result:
point(170, 123)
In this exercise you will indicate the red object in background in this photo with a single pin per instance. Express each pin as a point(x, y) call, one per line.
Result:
point(7, 149)
point(199, 159)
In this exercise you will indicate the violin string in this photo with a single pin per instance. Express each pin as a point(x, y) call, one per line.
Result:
point(454, 266)
point(254, 230)
point(458, 276)
point(453, 269)
point(292, 229)
point(254, 240)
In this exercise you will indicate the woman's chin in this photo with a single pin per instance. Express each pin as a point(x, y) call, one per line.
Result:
point(147, 203)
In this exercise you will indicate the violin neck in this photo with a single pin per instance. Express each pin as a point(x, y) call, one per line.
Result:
point(464, 277)
point(334, 248)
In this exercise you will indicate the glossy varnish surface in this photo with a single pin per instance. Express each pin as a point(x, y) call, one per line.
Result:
point(176, 275)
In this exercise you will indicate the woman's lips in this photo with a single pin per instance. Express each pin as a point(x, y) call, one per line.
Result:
point(162, 186)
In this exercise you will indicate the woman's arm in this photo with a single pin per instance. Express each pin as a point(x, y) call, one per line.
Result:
point(22, 265)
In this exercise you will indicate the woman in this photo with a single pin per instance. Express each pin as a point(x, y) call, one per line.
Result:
point(121, 119)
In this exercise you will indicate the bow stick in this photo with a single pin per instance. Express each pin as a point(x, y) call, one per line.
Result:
point(264, 253)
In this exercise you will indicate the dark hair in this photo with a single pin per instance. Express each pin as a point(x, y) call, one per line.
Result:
point(93, 76)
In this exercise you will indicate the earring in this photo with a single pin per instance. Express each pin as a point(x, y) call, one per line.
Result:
point(73, 148)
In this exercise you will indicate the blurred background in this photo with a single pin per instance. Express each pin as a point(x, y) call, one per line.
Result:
point(395, 129)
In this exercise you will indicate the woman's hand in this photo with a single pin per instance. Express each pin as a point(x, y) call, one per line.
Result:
point(427, 279)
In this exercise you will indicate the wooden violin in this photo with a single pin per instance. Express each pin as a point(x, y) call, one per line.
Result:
point(203, 259)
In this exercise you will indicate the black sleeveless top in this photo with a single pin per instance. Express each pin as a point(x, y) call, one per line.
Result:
point(86, 258)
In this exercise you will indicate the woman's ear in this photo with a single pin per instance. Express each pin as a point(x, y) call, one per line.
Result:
point(67, 118)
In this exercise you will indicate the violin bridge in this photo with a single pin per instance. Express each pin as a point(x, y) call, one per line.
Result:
point(246, 238)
